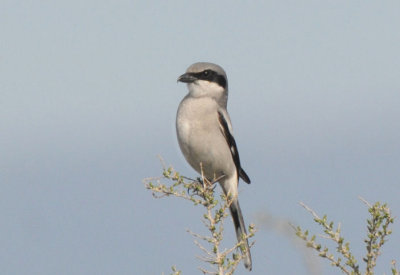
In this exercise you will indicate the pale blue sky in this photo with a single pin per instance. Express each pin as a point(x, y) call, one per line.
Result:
point(88, 97)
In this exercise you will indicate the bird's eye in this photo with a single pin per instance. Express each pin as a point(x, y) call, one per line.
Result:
point(206, 73)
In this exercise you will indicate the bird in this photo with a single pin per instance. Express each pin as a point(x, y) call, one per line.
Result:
point(205, 137)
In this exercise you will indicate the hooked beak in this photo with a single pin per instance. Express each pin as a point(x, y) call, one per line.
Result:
point(187, 78)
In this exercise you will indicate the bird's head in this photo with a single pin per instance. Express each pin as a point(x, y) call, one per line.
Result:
point(206, 80)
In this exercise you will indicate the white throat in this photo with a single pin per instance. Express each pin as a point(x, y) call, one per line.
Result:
point(202, 88)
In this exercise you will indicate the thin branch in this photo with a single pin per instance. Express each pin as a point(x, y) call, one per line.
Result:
point(201, 192)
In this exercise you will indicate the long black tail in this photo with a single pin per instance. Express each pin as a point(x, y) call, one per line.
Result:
point(240, 229)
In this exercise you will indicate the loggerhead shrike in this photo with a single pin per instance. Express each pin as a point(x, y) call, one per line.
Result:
point(205, 136)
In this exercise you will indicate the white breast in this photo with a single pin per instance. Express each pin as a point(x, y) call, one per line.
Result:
point(200, 137)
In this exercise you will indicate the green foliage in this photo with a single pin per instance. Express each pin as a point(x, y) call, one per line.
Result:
point(225, 261)
point(378, 230)
point(201, 192)
point(175, 271)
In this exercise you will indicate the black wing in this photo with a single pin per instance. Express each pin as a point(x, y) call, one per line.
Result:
point(232, 146)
